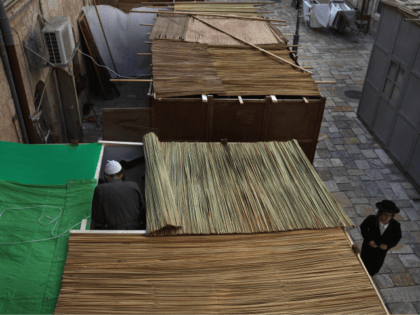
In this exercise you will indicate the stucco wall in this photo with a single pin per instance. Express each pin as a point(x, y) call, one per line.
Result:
point(26, 28)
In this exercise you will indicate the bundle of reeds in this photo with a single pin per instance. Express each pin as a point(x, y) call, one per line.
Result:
point(170, 27)
point(255, 73)
point(181, 69)
point(297, 272)
point(237, 188)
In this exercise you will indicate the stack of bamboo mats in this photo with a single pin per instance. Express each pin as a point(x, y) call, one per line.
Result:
point(211, 188)
point(185, 28)
point(298, 272)
point(182, 69)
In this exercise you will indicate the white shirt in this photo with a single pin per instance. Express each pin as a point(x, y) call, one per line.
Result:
point(382, 227)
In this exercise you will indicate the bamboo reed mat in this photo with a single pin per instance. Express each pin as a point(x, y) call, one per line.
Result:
point(218, 8)
point(210, 188)
point(250, 72)
point(254, 32)
point(297, 272)
point(183, 69)
point(170, 27)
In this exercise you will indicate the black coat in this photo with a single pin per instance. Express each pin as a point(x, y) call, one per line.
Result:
point(373, 258)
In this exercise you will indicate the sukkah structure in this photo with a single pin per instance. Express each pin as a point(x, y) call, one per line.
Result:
point(264, 236)
point(223, 71)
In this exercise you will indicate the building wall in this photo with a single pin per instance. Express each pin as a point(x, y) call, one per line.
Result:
point(370, 10)
point(26, 27)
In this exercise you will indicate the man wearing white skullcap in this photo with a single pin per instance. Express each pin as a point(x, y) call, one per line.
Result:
point(117, 204)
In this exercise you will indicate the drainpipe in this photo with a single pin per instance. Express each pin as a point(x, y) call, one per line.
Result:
point(11, 82)
point(17, 75)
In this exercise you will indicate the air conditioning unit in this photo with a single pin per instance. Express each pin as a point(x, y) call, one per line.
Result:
point(59, 40)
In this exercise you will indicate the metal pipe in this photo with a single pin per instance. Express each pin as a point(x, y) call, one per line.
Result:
point(11, 82)
point(17, 75)
point(63, 120)
point(296, 36)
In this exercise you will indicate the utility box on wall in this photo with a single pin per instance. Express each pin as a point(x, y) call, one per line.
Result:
point(390, 103)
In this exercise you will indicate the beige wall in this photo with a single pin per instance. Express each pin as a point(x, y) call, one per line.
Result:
point(26, 27)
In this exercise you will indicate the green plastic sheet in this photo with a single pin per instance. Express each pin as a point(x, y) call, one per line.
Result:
point(31, 272)
point(47, 164)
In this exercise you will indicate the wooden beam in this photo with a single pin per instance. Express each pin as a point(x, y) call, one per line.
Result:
point(274, 99)
point(305, 100)
point(202, 2)
point(288, 34)
point(83, 225)
point(147, 24)
point(204, 98)
point(209, 14)
point(241, 101)
point(308, 67)
point(144, 54)
point(252, 45)
point(131, 80)
point(148, 42)
point(325, 82)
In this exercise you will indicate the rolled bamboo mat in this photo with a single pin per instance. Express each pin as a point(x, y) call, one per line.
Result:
point(297, 272)
point(235, 188)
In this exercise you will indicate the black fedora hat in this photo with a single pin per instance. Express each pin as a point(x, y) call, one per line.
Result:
point(387, 206)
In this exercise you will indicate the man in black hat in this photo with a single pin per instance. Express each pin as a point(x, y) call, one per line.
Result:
point(381, 232)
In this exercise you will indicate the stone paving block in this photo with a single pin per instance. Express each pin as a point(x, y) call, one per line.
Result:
point(351, 148)
point(339, 171)
point(407, 185)
point(417, 306)
point(412, 213)
point(402, 249)
point(410, 238)
point(351, 194)
point(388, 194)
point(341, 179)
point(322, 163)
point(324, 154)
point(384, 171)
point(364, 210)
point(402, 308)
point(412, 193)
point(415, 274)
point(403, 203)
point(383, 184)
point(398, 190)
point(415, 204)
point(410, 260)
point(402, 279)
point(374, 174)
point(336, 162)
point(362, 164)
point(383, 281)
point(347, 133)
point(358, 131)
point(373, 189)
point(356, 172)
point(331, 186)
point(362, 193)
point(358, 220)
point(394, 263)
point(351, 213)
point(383, 156)
point(369, 154)
point(384, 269)
point(359, 200)
point(355, 234)
point(409, 226)
point(342, 199)
point(352, 140)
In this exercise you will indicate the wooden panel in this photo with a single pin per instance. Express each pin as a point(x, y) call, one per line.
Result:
point(292, 120)
point(237, 122)
point(126, 124)
point(180, 119)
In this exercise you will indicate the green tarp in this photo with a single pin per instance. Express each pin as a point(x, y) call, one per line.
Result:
point(47, 164)
point(44, 189)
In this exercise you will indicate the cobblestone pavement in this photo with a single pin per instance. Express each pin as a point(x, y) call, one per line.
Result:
point(349, 160)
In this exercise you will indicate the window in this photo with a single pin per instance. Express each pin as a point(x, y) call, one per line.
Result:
point(379, 6)
point(394, 81)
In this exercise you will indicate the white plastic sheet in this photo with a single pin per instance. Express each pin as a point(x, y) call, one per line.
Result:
point(320, 15)
point(125, 37)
